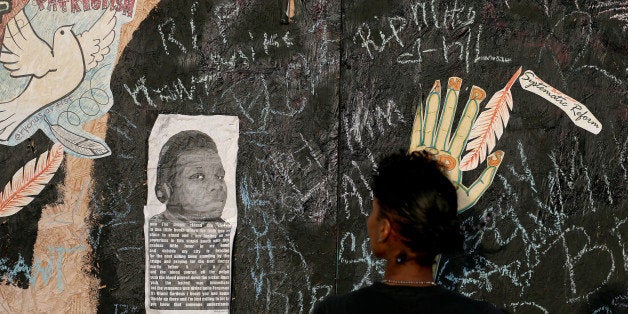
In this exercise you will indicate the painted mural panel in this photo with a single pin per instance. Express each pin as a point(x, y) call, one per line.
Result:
point(57, 60)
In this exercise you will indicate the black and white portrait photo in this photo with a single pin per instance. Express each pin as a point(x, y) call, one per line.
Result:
point(190, 178)
point(191, 213)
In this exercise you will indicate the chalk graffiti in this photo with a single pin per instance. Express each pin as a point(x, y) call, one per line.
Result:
point(615, 10)
point(549, 225)
point(580, 43)
point(435, 20)
point(278, 188)
point(275, 79)
point(350, 255)
point(41, 270)
point(369, 121)
point(269, 281)
point(120, 308)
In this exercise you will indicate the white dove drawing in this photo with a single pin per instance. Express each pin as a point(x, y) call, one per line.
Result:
point(54, 71)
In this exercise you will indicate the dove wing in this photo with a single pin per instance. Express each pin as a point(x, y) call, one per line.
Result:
point(23, 52)
point(95, 42)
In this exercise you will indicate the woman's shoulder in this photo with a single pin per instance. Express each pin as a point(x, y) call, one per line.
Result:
point(452, 302)
point(380, 298)
point(352, 302)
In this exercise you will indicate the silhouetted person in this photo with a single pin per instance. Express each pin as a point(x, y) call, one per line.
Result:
point(414, 219)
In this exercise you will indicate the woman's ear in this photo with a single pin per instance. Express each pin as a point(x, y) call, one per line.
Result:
point(384, 230)
point(162, 191)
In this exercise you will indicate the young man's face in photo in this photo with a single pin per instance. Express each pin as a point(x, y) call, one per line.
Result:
point(199, 183)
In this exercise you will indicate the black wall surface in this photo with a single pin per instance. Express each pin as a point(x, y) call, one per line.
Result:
point(321, 100)
point(282, 81)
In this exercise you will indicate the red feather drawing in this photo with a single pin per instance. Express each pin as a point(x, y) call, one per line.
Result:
point(30, 180)
point(489, 126)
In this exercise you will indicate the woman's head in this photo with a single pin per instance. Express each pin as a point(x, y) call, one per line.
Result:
point(190, 175)
point(419, 203)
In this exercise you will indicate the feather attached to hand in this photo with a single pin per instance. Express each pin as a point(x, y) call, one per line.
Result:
point(489, 126)
point(30, 180)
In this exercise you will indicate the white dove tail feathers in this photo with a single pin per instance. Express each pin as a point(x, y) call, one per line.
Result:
point(79, 144)
point(96, 41)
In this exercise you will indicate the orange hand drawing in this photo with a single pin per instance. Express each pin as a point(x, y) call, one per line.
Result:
point(434, 134)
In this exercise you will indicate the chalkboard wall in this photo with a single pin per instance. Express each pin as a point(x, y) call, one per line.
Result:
point(323, 98)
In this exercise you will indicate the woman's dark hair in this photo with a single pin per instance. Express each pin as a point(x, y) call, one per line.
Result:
point(179, 143)
point(420, 202)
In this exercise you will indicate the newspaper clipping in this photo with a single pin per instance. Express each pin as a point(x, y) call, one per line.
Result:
point(191, 214)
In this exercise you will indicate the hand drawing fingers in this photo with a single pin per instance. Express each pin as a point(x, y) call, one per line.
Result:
point(459, 140)
point(432, 106)
point(417, 128)
point(467, 197)
point(446, 120)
